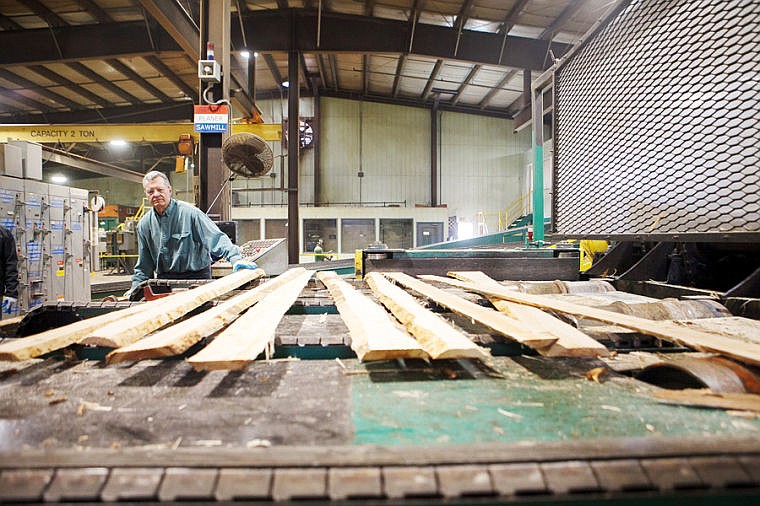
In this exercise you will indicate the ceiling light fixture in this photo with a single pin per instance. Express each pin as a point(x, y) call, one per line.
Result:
point(58, 178)
point(286, 84)
point(245, 54)
point(118, 143)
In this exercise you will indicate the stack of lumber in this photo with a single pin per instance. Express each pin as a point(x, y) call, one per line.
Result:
point(691, 336)
point(123, 327)
point(178, 338)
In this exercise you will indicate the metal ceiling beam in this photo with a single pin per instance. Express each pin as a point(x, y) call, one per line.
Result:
point(365, 74)
point(95, 11)
point(397, 77)
point(322, 70)
point(82, 42)
point(126, 114)
point(334, 70)
point(70, 85)
point(133, 76)
point(89, 165)
point(28, 102)
point(26, 84)
point(431, 79)
point(283, 30)
point(567, 13)
point(164, 70)
point(306, 76)
point(97, 78)
point(369, 7)
point(465, 83)
point(274, 69)
point(512, 15)
point(7, 23)
point(414, 102)
point(50, 17)
point(493, 91)
point(183, 31)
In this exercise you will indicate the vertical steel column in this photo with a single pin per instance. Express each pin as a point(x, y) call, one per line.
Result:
point(434, 151)
point(538, 164)
point(316, 133)
point(293, 145)
point(213, 175)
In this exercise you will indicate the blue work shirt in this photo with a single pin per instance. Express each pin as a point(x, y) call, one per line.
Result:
point(182, 239)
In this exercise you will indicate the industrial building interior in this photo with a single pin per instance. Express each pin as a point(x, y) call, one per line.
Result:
point(508, 251)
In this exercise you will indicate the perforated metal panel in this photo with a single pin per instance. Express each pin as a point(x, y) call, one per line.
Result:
point(657, 123)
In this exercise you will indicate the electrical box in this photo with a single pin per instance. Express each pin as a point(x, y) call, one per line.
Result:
point(57, 268)
point(209, 71)
point(11, 160)
point(32, 159)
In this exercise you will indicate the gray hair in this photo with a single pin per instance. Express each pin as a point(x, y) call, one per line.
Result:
point(150, 176)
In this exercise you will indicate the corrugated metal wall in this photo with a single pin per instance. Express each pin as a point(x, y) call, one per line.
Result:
point(482, 163)
point(395, 157)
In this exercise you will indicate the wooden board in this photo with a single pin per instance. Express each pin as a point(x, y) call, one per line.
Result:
point(61, 337)
point(129, 330)
point(249, 335)
point(736, 327)
point(179, 338)
point(519, 331)
point(374, 334)
point(571, 342)
point(436, 335)
point(704, 397)
point(701, 340)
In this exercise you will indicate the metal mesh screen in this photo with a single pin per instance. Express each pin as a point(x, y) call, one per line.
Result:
point(657, 123)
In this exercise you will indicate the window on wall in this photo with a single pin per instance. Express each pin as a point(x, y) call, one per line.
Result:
point(397, 233)
point(314, 230)
point(429, 233)
point(249, 230)
point(276, 229)
point(357, 234)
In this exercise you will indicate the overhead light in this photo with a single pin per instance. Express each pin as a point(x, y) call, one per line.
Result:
point(286, 84)
point(58, 178)
point(256, 54)
point(245, 54)
point(118, 143)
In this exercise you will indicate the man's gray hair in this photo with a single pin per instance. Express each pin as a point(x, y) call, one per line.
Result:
point(150, 176)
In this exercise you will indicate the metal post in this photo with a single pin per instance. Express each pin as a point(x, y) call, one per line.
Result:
point(213, 175)
point(434, 151)
point(538, 166)
point(293, 145)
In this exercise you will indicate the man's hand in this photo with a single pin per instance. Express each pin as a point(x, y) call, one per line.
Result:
point(242, 264)
point(10, 307)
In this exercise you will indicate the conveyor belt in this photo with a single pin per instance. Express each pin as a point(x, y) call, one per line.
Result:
point(722, 479)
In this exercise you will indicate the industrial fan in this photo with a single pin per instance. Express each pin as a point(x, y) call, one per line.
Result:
point(247, 155)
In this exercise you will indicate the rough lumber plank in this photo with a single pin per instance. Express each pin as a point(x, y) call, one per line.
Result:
point(436, 336)
point(669, 331)
point(55, 339)
point(128, 331)
point(518, 331)
point(571, 342)
point(179, 338)
point(374, 335)
point(244, 340)
point(705, 397)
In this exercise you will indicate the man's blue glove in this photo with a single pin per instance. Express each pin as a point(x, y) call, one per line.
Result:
point(10, 307)
point(242, 264)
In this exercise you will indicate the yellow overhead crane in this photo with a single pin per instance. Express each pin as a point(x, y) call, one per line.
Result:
point(130, 132)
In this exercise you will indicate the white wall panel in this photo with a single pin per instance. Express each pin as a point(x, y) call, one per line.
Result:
point(394, 149)
point(482, 165)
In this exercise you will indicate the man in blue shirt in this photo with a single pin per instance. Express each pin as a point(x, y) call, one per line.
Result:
point(177, 240)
